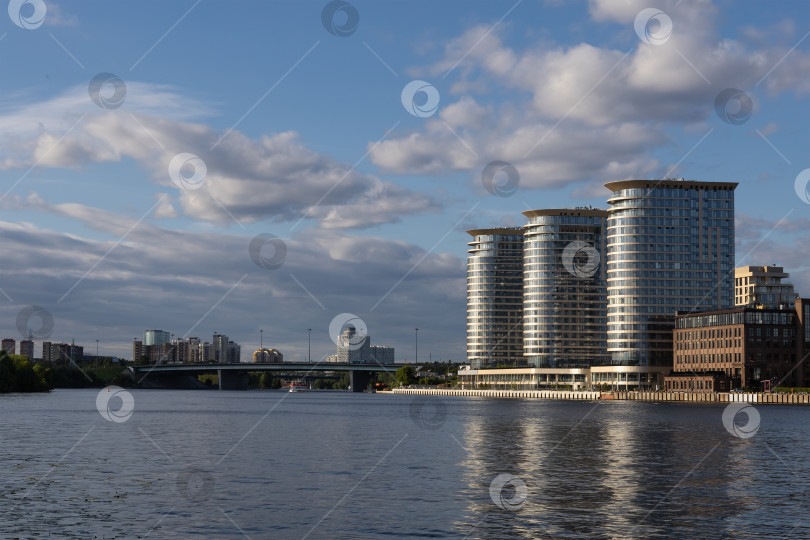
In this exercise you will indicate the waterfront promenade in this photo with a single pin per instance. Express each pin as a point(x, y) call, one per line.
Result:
point(707, 397)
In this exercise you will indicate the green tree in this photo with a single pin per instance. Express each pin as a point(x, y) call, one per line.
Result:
point(8, 376)
point(405, 375)
point(18, 374)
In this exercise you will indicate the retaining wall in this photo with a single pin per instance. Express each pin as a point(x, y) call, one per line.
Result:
point(708, 397)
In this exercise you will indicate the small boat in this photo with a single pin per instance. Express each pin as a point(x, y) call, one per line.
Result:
point(298, 386)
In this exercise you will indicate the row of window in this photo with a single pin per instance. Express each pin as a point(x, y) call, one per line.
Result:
point(699, 384)
point(727, 358)
point(752, 317)
point(619, 203)
point(708, 215)
point(639, 262)
point(657, 191)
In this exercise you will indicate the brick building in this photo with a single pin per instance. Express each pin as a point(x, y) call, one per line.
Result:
point(752, 345)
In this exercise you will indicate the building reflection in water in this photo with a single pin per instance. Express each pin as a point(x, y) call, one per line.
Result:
point(602, 470)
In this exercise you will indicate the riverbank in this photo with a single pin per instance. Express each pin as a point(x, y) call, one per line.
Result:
point(707, 397)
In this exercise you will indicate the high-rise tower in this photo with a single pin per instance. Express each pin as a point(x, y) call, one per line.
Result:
point(564, 292)
point(495, 298)
point(670, 248)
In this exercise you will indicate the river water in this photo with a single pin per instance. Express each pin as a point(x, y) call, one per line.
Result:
point(270, 464)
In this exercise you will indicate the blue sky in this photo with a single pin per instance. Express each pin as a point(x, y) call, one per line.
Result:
point(304, 137)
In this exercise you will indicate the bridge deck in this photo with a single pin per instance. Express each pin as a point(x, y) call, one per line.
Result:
point(244, 366)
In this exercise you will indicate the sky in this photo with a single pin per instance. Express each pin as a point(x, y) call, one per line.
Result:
point(209, 166)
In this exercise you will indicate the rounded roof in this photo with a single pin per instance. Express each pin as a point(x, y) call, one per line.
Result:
point(597, 212)
point(504, 231)
point(668, 183)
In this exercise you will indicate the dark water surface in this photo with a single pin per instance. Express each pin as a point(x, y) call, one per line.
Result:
point(196, 464)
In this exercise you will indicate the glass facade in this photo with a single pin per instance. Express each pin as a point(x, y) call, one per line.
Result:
point(564, 289)
point(156, 337)
point(670, 247)
point(495, 298)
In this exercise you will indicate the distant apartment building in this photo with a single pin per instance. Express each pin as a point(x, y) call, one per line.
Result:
point(186, 350)
point(9, 345)
point(267, 356)
point(495, 298)
point(27, 348)
point(381, 354)
point(181, 351)
point(156, 337)
point(234, 352)
point(194, 353)
point(762, 285)
point(564, 290)
point(354, 348)
point(207, 353)
point(225, 350)
point(62, 353)
point(751, 346)
point(151, 353)
point(137, 350)
point(670, 247)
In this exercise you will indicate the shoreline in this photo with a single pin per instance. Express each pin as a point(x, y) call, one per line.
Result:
point(582, 395)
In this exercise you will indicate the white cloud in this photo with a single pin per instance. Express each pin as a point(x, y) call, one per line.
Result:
point(56, 17)
point(273, 177)
point(594, 112)
point(164, 208)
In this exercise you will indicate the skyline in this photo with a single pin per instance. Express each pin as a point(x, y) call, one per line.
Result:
point(305, 140)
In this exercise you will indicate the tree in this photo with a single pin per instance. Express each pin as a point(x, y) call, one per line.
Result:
point(405, 375)
point(18, 374)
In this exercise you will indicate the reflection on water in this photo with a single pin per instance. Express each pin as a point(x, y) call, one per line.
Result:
point(337, 465)
point(634, 470)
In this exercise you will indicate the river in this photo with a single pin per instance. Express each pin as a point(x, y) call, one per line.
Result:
point(271, 464)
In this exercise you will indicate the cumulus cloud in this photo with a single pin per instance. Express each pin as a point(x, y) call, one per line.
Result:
point(274, 177)
point(587, 113)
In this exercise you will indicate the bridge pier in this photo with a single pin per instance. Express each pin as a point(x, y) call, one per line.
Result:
point(232, 380)
point(359, 380)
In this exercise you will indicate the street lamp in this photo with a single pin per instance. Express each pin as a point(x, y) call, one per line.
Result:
point(416, 356)
point(309, 345)
point(96, 353)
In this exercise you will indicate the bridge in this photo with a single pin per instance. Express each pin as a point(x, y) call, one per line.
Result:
point(235, 376)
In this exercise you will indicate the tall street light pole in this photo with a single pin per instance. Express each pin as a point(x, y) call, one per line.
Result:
point(309, 345)
point(96, 353)
point(416, 334)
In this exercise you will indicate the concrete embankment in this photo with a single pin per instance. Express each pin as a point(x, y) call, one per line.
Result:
point(797, 399)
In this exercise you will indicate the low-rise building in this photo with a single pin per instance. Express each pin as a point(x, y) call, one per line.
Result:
point(704, 383)
point(762, 285)
point(755, 346)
